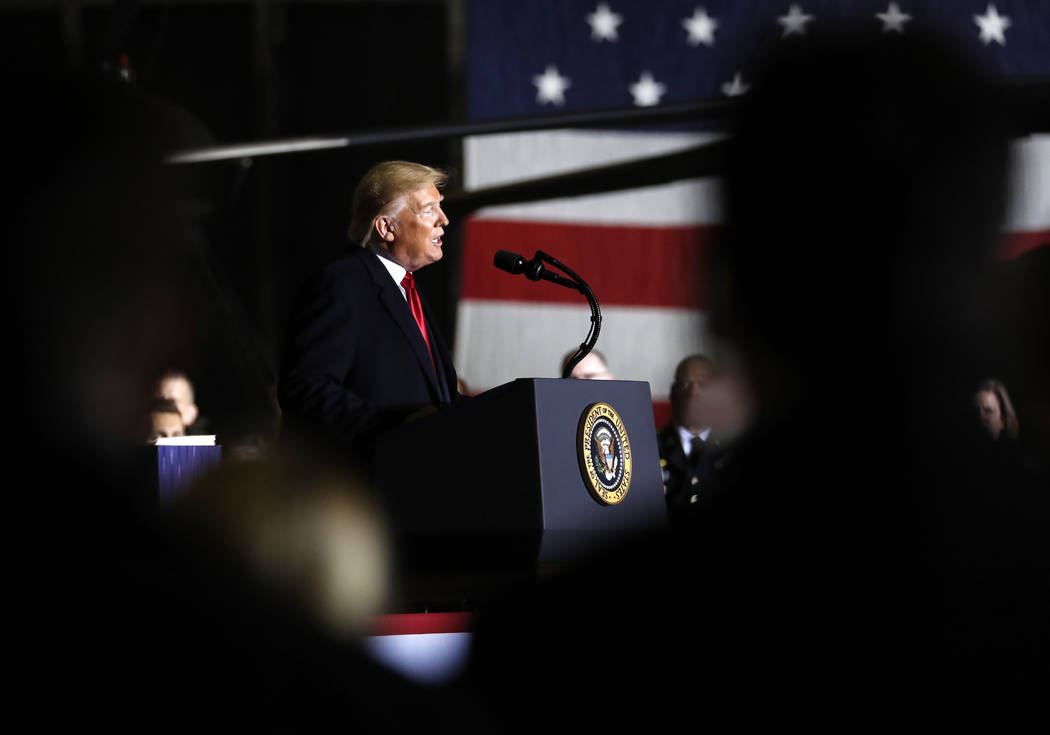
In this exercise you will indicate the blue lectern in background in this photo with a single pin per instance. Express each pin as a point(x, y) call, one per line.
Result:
point(169, 469)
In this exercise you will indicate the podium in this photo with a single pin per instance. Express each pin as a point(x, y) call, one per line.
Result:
point(492, 486)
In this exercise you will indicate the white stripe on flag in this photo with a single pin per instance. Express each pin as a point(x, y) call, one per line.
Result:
point(1029, 209)
point(498, 341)
point(500, 159)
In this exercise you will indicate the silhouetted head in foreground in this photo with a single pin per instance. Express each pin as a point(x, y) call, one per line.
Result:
point(856, 567)
point(866, 185)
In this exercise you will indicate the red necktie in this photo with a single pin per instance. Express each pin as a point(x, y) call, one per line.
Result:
point(409, 284)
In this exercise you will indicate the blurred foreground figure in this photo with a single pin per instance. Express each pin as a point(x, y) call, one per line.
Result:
point(121, 619)
point(98, 229)
point(290, 557)
point(304, 530)
point(867, 564)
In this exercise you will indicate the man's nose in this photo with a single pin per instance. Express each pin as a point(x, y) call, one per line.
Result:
point(442, 219)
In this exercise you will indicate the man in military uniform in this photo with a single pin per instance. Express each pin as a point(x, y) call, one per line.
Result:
point(690, 454)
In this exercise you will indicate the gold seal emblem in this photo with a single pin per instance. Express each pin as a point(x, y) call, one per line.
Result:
point(605, 453)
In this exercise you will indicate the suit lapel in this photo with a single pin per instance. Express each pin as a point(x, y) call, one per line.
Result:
point(395, 304)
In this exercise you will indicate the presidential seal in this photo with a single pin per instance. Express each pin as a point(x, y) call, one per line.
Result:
point(605, 454)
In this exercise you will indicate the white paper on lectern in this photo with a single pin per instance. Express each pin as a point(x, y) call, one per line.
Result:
point(193, 440)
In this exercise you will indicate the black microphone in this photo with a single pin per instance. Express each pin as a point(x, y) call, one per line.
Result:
point(533, 269)
point(510, 262)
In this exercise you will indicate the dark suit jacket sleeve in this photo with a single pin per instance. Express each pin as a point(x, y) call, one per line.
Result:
point(323, 337)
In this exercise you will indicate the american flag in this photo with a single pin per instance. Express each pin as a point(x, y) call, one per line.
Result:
point(643, 249)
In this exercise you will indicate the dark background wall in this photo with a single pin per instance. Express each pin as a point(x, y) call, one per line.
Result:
point(249, 71)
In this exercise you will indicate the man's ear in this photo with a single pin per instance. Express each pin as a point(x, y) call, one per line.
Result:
point(385, 227)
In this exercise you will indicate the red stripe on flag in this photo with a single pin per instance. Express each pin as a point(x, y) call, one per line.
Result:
point(661, 413)
point(1015, 244)
point(630, 266)
point(421, 623)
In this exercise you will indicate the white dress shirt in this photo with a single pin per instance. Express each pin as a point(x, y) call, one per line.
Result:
point(687, 438)
point(397, 272)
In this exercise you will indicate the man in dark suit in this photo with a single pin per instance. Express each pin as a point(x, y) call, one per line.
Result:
point(690, 455)
point(363, 353)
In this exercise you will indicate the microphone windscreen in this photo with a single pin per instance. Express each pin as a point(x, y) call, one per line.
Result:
point(508, 261)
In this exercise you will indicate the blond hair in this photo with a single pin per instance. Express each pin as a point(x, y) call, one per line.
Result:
point(383, 184)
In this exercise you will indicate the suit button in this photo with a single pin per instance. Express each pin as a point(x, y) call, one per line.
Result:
point(694, 481)
point(693, 498)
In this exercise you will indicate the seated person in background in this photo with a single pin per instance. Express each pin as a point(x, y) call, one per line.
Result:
point(592, 367)
point(165, 420)
point(995, 410)
point(690, 455)
point(175, 386)
point(999, 422)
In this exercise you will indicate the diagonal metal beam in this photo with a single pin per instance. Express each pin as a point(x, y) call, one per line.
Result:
point(676, 113)
point(688, 163)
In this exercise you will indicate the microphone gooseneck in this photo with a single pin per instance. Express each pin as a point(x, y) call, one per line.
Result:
point(514, 264)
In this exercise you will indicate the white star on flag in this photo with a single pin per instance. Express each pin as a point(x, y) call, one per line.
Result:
point(551, 86)
point(647, 91)
point(701, 28)
point(993, 26)
point(893, 19)
point(795, 21)
point(604, 23)
point(736, 87)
